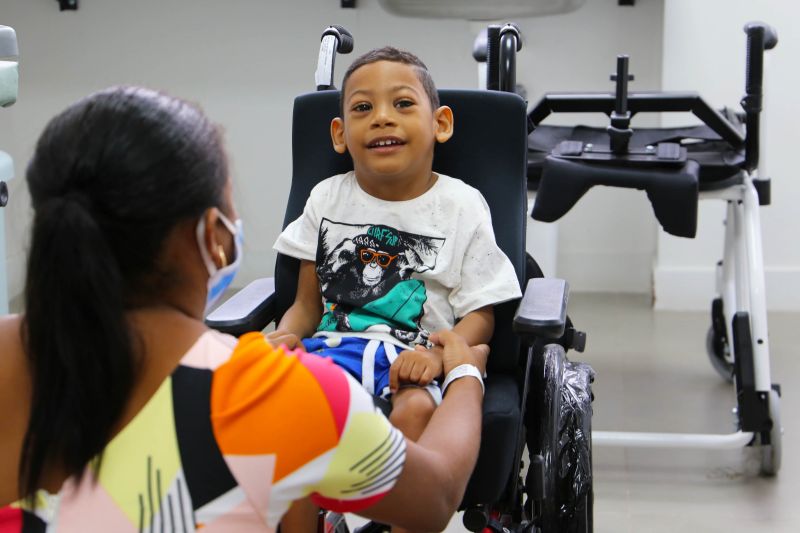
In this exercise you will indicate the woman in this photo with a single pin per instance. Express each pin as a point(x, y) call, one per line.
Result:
point(121, 403)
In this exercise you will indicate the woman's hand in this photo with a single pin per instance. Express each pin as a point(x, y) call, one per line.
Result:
point(281, 337)
point(456, 351)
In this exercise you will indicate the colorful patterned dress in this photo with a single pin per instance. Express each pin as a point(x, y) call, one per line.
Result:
point(229, 440)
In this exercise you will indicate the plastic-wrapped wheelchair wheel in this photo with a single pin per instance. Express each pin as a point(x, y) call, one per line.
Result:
point(544, 406)
point(559, 429)
point(575, 449)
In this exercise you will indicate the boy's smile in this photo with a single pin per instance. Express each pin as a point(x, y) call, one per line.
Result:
point(386, 145)
point(390, 129)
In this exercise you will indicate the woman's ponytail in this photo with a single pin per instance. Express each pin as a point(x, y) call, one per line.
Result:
point(77, 340)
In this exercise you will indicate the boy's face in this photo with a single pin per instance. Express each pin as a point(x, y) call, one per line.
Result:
point(388, 126)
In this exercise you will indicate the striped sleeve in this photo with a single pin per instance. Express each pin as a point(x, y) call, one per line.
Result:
point(370, 453)
point(292, 425)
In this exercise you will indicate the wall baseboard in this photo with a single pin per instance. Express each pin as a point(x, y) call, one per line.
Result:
point(691, 289)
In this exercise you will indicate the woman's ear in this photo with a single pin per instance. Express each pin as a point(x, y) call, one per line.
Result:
point(211, 242)
point(444, 123)
point(337, 135)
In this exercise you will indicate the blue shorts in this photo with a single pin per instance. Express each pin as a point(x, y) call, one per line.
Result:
point(367, 360)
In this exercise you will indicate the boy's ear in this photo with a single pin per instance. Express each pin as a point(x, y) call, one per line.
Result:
point(444, 123)
point(337, 135)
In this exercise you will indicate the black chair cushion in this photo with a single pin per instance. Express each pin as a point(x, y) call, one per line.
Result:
point(499, 438)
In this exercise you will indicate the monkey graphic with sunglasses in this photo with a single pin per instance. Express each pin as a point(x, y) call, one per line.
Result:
point(365, 274)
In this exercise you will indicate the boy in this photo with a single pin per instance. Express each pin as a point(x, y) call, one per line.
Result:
point(393, 250)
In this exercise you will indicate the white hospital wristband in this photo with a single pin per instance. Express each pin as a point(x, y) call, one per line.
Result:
point(462, 371)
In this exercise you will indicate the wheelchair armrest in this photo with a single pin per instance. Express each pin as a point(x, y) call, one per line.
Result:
point(250, 309)
point(543, 309)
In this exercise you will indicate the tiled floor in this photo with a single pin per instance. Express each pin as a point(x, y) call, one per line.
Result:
point(653, 375)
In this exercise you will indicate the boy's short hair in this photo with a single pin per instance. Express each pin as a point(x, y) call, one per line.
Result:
point(390, 53)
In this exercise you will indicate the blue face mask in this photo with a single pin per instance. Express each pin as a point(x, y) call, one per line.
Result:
point(220, 278)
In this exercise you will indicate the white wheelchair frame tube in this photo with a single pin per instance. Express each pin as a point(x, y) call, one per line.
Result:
point(742, 277)
point(740, 281)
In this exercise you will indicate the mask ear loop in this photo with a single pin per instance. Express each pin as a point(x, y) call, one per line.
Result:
point(201, 229)
point(234, 231)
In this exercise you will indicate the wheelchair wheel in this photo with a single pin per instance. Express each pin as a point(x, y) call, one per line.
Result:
point(771, 452)
point(544, 406)
point(717, 346)
point(560, 415)
point(575, 439)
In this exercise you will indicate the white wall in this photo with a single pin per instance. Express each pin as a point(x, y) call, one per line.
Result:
point(710, 57)
point(245, 60)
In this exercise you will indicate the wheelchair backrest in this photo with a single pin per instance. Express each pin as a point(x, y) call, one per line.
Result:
point(488, 150)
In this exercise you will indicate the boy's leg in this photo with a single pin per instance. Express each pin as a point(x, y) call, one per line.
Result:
point(302, 517)
point(412, 409)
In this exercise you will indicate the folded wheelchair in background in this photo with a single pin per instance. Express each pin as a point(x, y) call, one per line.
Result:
point(487, 151)
point(676, 167)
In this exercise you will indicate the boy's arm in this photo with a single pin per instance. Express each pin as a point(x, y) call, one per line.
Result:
point(302, 318)
point(476, 327)
point(421, 366)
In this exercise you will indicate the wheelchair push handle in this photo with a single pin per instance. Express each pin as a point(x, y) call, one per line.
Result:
point(334, 39)
point(760, 37)
point(497, 46)
point(510, 44)
point(344, 38)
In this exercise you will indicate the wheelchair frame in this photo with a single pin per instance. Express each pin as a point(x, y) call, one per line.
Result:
point(737, 342)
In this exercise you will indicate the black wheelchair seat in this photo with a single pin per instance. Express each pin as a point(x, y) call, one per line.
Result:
point(718, 160)
point(673, 165)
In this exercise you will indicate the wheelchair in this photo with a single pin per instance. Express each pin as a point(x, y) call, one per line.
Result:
point(533, 395)
point(676, 167)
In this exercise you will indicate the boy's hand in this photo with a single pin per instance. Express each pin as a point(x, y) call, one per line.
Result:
point(282, 337)
point(419, 366)
point(456, 352)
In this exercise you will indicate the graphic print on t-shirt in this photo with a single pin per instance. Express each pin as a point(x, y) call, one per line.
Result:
point(365, 273)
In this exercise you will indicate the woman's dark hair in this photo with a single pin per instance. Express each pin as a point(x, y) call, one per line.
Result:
point(110, 177)
point(389, 53)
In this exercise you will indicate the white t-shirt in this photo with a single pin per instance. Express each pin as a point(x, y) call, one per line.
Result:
point(397, 271)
